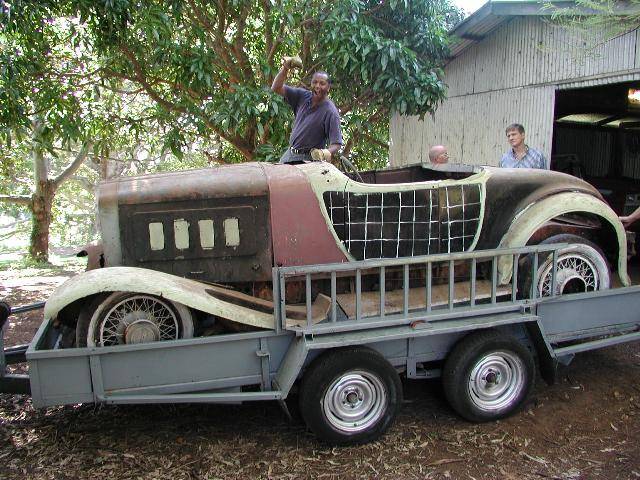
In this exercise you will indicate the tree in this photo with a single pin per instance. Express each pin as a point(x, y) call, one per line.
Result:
point(594, 22)
point(208, 65)
point(46, 99)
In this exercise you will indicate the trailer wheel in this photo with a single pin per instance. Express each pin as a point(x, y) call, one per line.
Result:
point(350, 396)
point(128, 318)
point(488, 376)
point(582, 267)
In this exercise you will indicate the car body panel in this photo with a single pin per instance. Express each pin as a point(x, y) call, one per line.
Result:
point(299, 229)
point(535, 214)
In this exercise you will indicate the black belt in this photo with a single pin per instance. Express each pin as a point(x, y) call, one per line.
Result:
point(300, 151)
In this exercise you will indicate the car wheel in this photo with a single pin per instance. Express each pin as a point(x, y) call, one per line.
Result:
point(350, 396)
point(581, 267)
point(488, 376)
point(128, 318)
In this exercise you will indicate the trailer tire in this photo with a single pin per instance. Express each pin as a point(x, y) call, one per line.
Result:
point(488, 376)
point(582, 267)
point(350, 396)
point(134, 318)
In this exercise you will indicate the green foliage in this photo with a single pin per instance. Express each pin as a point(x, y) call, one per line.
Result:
point(208, 65)
point(594, 22)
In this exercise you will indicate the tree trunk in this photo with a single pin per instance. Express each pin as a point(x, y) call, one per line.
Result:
point(41, 204)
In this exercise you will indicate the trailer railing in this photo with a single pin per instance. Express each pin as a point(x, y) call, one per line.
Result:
point(478, 267)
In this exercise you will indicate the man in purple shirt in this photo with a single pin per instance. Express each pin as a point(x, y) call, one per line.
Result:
point(316, 131)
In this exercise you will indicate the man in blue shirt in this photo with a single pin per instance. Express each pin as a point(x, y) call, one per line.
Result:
point(521, 155)
point(316, 131)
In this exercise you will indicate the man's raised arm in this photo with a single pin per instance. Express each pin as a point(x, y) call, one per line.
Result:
point(287, 64)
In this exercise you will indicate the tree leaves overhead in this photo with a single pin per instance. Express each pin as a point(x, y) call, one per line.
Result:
point(208, 65)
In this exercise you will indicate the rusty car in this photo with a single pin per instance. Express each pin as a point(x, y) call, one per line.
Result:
point(231, 225)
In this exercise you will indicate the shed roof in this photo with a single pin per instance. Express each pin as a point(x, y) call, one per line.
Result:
point(492, 14)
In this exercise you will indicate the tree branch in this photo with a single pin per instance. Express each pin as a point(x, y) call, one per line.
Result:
point(73, 166)
point(16, 199)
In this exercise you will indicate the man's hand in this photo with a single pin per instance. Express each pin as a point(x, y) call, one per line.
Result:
point(292, 62)
point(320, 155)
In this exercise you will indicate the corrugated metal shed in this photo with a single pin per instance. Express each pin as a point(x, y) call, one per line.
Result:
point(507, 63)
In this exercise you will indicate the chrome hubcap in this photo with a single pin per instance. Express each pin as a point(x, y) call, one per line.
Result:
point(496, 381)
point(355, 401)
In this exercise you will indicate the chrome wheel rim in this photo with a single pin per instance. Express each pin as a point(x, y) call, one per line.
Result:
point(138, 319)
point(575, 273)
point(496, 381)
point(355, 401)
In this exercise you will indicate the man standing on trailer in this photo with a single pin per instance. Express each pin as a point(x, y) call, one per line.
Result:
point(316, 131)
point(521, 155)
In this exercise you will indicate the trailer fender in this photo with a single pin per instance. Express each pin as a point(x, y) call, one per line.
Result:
point(191, 293)
point(536, 214)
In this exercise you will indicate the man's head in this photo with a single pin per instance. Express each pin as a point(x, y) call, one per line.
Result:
point(438, 154)
point(320, 85)
point(515, 135)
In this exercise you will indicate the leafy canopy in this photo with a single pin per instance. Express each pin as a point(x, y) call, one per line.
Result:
point(208, 65)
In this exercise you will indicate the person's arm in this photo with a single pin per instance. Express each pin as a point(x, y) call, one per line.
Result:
point(629, 219)
point(287, 64)
point(278, 82)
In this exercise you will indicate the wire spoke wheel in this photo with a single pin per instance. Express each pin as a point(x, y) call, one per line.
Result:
point(581, 267)
point(129, 318)
point(138, 319)
point(575, 273)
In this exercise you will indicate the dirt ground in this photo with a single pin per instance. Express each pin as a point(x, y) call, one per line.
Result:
point(586, 426)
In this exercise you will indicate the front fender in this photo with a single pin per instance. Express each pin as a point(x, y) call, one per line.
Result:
point(191, 293)
point(536, 214)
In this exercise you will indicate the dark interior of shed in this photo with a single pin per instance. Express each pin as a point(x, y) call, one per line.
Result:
point(596, 136)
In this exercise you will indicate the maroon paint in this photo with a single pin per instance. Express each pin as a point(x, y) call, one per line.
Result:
point(299, 231)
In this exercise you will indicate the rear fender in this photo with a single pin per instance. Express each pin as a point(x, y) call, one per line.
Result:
point(537, 214)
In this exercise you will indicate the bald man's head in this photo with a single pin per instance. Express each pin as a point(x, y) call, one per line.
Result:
point(438, 154)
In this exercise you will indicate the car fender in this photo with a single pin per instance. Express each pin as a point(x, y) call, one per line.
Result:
point(533, 216)
point(191, 293)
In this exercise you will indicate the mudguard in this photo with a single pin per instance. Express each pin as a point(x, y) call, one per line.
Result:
point(191, 293)
point(536, 214)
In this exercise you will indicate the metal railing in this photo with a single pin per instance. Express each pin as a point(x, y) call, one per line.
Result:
point(496, 301)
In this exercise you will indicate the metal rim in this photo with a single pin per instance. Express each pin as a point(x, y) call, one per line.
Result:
point(496, 381)
point(138, 319)
point(355, 401)
point(576, 272)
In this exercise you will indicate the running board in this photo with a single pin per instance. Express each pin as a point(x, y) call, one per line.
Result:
point(593, 344)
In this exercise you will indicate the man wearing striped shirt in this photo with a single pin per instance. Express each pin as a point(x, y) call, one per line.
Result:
point(521, 155)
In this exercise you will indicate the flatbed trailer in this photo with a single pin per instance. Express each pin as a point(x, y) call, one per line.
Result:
point(481, 337)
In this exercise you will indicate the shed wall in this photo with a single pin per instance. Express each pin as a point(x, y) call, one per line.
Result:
point(510, 76)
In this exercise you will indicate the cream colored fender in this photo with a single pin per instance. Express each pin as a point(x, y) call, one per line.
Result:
point(139, 280)
point(536, 214)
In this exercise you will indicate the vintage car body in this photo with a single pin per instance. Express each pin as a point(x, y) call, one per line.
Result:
point(313, 213)
point(232, 224)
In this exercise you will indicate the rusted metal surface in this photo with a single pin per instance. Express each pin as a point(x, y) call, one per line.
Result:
point(209, 224)
point(220, 182)
point(300, 232)
point(509, 191)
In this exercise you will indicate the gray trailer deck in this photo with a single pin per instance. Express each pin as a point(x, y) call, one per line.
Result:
point(478, 335)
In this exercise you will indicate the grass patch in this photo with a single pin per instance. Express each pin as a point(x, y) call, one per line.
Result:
point(57, 264)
